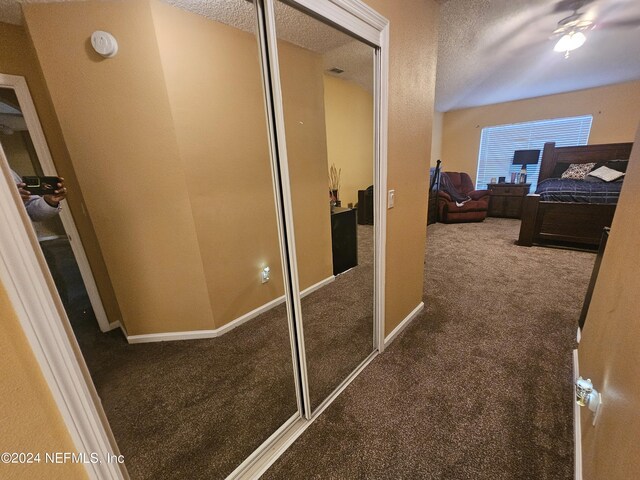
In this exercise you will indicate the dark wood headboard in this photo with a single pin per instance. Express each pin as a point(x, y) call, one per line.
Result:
point(584, 154)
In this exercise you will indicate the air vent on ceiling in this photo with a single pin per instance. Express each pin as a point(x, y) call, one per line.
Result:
point(336, 70)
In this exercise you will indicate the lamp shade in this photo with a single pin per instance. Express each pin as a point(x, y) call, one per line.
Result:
point(526, 157)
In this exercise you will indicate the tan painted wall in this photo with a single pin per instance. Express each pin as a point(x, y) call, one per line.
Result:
point(301, 74)
point(181, 106)
point(29, 418)
point(116, 122)
point(349, 118)
point(413, 52)
point(609, 351)
point(18, 58)
point(215, 92)
point(615, 110)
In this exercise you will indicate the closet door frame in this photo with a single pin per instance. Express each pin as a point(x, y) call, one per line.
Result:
point(362, 22)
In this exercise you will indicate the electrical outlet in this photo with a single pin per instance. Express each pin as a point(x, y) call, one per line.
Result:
point(391, 199)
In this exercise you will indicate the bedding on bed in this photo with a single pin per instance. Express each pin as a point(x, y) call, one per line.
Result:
point(578, 191)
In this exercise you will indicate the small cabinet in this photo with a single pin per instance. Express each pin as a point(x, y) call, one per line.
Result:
point(344, 239)
point(506, 199)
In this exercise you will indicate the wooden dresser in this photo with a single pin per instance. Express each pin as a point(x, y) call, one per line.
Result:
point(506, 199)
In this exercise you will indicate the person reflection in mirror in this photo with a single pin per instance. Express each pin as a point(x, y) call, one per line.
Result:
point(41, 208)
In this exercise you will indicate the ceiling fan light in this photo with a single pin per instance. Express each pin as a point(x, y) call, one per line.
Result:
point(570, 42)
point(577, 40)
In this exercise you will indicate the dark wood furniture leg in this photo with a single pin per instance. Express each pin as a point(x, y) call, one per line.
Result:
point(530, 206)
point(594, 277)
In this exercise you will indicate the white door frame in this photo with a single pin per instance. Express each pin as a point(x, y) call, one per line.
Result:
point(31, 290)
point(19, 86)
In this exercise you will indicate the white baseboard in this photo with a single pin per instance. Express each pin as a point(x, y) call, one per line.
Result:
point(577, 428)
point(317, 286)
point(403, 324)
point(113, 326)
point(199, 334)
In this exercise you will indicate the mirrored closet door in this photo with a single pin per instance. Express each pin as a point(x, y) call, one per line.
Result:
point(169, 156)
point(327, 83)
point(220, 165)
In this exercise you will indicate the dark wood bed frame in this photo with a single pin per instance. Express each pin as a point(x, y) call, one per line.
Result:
point(571, 224)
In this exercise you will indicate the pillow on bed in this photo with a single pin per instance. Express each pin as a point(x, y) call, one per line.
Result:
point(607, 174)
point(577, 171)
point(619, 165)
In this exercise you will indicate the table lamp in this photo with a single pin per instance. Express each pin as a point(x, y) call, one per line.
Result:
point(524, 158)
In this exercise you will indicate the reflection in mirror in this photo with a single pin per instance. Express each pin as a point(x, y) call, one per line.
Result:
point(165, 151)
point(21, 155)
point(327, 85)
point(43, 210)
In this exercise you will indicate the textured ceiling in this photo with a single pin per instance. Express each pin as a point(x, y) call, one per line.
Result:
point(493, 51)
point(338, 49)
point(356, 59)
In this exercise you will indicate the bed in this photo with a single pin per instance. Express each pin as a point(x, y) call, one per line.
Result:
point(571, 212)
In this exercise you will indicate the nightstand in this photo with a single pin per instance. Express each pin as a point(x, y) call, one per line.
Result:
point(344, 239)
point(506, 199)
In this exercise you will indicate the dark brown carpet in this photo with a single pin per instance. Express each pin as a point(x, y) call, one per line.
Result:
point(338, 323)
point(478, 386)
point(197, 409)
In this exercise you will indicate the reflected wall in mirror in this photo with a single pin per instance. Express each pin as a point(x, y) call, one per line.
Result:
point(168, 142)
point(327, 93)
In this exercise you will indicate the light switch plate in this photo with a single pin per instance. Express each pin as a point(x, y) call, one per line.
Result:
point(391, 199)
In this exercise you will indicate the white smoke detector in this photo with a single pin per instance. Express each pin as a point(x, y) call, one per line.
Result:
point(104, 43)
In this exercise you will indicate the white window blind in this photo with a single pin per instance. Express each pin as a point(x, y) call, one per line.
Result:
point(498, 143)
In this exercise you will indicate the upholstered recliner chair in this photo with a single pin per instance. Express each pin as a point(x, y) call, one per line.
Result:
point(473, 208)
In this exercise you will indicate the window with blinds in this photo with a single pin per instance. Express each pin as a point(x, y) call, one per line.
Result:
point(498, 143)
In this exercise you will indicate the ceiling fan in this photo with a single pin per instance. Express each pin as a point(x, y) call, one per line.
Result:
point(576, 22)
point(571, 28)
point(570, 32)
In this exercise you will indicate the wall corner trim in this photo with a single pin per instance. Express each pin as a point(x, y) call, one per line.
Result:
point(403, 324)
